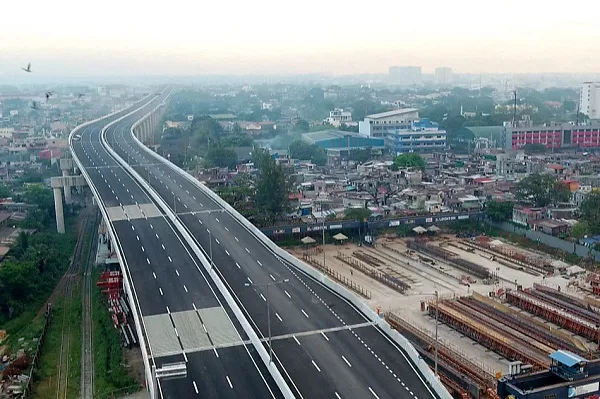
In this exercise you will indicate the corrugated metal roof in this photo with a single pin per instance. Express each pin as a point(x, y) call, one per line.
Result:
point(567, 358)
point(392, 113)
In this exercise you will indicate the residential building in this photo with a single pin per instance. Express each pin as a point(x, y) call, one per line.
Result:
point(422, 136)
point(525, 215)
point(550, 226)
point(378, 125)
point(339, 116)
point(554, 136)
point(589, 99)
point(405, 75)
point(7, 132)
point(443, 75)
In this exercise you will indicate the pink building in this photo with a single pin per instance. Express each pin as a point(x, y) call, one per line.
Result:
point(556, 136)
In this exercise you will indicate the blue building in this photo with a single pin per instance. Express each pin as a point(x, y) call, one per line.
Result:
point(338, 144)
point(570, 376)
point(422, 136)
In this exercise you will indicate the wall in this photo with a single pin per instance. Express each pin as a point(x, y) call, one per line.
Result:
point(549, 240)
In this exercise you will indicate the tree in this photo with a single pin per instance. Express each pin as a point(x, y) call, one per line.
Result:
point(580, 229)
point(4, 191)
point(301, 126)
point(542, 190)
point(347, 128)
point(410, 160)
point(499, 211)
point(221, 157)
point(590, 212)
point(236, 140)
point(300, 149)
point(357, 214)
point(272, 189)
point(360, 155)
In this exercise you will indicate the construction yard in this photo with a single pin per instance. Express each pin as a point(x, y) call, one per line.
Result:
point(495, 303)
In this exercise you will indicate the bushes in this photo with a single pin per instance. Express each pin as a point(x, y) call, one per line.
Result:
point(110, 376)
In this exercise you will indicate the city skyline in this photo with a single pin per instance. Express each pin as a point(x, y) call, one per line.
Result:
point(268, 38)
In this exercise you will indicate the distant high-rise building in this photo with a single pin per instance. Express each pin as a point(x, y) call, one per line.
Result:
point(589, 99)
point(443, 75)
point(405, 75)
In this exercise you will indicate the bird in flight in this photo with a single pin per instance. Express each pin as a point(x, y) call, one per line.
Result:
point(28, 69)
point(48, 95)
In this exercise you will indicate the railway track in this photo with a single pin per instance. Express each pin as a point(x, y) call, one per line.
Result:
point(87, 331)
point(69, 284)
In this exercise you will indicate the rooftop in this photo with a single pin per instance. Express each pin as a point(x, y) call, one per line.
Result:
point(567, 358)
point(392, 113)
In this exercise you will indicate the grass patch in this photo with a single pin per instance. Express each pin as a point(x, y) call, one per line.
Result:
point(46, 374)
point(110, 374)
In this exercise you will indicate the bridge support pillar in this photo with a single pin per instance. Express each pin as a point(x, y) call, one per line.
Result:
point(58, 209)
point(66, 165)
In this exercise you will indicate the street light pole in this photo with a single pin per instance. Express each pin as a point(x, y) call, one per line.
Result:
point(436, 330)
point(210, 242)
point(323, 217)
point(269, 322)
point(267, 284)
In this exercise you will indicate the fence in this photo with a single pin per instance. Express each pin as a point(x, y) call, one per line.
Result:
point(338, 277)
point(551, 241)
point(392, 282)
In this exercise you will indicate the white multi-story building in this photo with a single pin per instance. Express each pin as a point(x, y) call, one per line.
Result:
point(339, 116)
point(589, 99)
point(405, 75)
point(378, 125)
point(443, 75)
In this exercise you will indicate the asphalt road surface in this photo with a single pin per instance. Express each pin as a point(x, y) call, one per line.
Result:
point(185, 317)
point(325, 347)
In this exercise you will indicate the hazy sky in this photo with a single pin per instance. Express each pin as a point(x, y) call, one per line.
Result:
point(179, 37)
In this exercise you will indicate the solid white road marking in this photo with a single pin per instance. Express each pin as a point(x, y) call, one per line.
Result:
point(288, 295)
point(317, 367)
point(195, 387)
point(337, 395)
point(216, 352)
point(229, 381)
point(346, 360)
point(304, 313)
point(263, 297)
point(279, 317)
point(296, 339)
point(373, 392)
point(325, 336)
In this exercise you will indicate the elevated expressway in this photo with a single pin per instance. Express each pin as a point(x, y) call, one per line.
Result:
point(180, 315)
point(326, 343)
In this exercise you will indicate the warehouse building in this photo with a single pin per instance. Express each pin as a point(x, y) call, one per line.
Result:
point(338, 144)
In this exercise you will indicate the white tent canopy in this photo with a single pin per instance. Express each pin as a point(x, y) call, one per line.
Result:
point(340, 237)
point(434, 229)
point(420, 230)
point(308, 240)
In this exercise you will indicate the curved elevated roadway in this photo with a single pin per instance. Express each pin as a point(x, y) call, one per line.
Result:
point(182, 315)
point(325, 347)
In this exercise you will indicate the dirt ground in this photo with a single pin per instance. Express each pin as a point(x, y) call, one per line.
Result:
point(424, 280)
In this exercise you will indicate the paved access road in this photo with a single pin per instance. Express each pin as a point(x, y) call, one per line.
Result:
point(324, 346)
point(184, 316)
